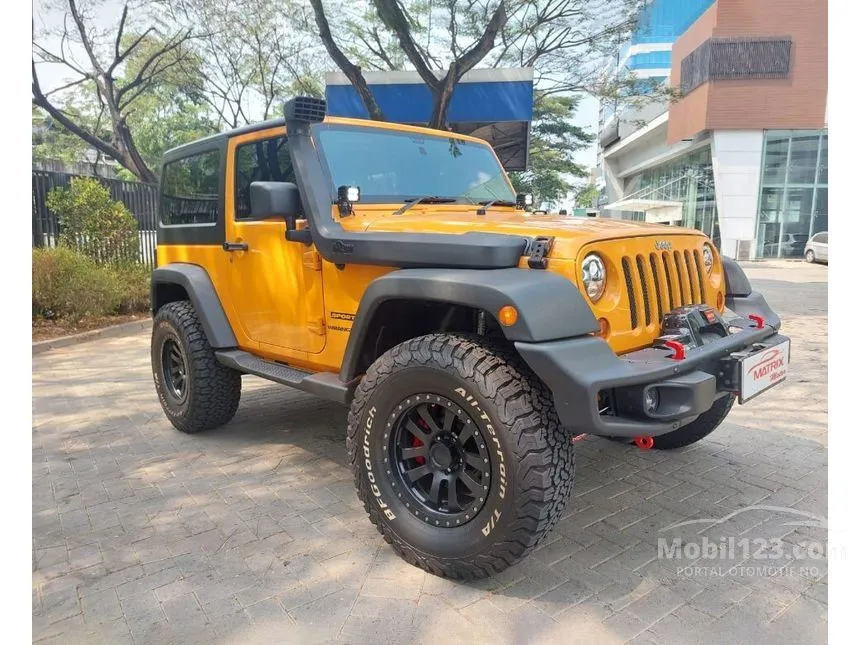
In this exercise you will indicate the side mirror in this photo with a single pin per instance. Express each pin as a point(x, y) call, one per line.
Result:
point(275, 199)
point(279, 199)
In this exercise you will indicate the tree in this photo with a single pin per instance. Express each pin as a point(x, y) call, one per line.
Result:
point(352, 71)
point(588, 195)
point(399, 22)
point(105, 54)
point(247, 55)
point(171, 112)
point(554, 140)
point(52, 141)
point(566, 42)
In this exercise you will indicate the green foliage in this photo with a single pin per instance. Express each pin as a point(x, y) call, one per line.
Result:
point(132, 280)
point(93, 223)
point(170, 112)
point(67, 284)
point(587, 196)
point(50, 140)
point(554, 140)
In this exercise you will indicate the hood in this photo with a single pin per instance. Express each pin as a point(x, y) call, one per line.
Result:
point(570, 233)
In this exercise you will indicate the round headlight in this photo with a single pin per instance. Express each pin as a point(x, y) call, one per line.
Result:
point(593, 276)
point(708, 257)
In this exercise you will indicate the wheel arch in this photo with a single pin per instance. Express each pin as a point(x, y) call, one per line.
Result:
point(181, 281)
point(421, 301)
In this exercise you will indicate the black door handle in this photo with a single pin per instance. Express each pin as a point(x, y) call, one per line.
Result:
point(235, 246)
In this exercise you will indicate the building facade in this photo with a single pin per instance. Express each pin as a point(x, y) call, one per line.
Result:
point(741, 151)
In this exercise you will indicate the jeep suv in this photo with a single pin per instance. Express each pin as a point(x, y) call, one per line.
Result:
point(393, 269)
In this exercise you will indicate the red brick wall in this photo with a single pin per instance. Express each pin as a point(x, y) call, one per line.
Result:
point(794, 102)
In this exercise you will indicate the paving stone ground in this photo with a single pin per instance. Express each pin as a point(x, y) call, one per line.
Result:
point(253, 533)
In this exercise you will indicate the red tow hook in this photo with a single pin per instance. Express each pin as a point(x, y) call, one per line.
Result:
point(644, 443)
point(758, 320)
point(678, 349)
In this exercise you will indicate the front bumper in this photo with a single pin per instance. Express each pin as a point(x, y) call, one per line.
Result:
point(578, 370)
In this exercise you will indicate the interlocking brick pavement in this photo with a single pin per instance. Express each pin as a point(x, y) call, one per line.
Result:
point(253, 533)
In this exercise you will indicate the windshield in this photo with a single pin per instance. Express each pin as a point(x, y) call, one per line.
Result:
point(390, 166)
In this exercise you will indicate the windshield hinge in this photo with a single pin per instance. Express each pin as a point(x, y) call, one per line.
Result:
point(311, 260)
point(539, 249)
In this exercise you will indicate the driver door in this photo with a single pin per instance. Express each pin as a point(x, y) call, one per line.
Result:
point(275, 285)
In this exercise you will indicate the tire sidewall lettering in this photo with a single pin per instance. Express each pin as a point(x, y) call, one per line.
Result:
point(500, 485)
point(368, 465)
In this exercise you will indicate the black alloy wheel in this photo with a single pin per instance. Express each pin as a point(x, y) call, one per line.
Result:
point(174, 370)
point(441, 461)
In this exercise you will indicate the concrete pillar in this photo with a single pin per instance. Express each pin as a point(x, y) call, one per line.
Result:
point(736, 157)
point(614, 187)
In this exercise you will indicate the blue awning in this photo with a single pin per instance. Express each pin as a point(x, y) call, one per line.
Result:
point(493, 104)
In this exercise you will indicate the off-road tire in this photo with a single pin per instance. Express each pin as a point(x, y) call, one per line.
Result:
point(532, 458)
point(704, 425)
point(213, 391)
point(810, 256)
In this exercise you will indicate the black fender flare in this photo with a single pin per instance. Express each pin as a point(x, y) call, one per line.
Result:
point(737, 283)
point(197, 284)
point(550, 307)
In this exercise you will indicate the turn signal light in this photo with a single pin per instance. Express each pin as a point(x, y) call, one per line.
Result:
point(604, 327)
point(508, 315)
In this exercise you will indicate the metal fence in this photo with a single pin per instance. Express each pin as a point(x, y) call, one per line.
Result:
point(141, 199)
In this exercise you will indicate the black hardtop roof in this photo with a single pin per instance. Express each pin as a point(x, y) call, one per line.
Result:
point(214, 140)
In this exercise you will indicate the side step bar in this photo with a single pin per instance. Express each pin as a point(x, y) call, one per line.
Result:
point(323, 384)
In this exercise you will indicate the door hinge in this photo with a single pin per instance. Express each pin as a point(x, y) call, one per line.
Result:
point(311, 260)
point(538, 251)
point(317, 326)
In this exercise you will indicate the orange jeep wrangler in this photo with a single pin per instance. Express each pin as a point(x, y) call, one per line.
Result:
point(394, 269)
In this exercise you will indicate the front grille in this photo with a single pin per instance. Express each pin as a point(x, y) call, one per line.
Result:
point(631, 296)
point(674, 279)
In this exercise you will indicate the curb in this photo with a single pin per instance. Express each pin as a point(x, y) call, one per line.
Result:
point(114, 331)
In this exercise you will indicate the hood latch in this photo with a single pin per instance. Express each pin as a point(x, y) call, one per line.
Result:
point(539, 249)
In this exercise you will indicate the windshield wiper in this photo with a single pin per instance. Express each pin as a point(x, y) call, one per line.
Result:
point(486, 203)
point(426, 199)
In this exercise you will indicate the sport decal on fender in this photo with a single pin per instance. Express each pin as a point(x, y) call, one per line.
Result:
point(339, 318)
point(491, 431)
point(368, 425)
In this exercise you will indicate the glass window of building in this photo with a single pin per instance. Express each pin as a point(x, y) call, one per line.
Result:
point(688, 181)
point(793, 197)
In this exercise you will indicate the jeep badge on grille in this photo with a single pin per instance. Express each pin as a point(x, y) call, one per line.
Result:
point(663, 245)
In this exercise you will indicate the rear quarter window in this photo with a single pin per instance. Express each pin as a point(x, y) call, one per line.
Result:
point(189, 190)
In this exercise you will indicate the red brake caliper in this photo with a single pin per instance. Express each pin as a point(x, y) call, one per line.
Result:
point(416, 442)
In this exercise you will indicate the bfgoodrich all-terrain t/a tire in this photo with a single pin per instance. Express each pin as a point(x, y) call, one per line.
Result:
point(196, 392)
point(458, 454)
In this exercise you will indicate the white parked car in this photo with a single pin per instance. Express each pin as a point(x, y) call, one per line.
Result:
point(816, 248)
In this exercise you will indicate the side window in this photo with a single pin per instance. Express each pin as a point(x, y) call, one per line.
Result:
point(264, 160)
point(823, 238)
point(189, 189)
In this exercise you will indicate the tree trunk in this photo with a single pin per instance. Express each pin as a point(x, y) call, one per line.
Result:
point(352, 72)
point(442, 99)
point(134, 161)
